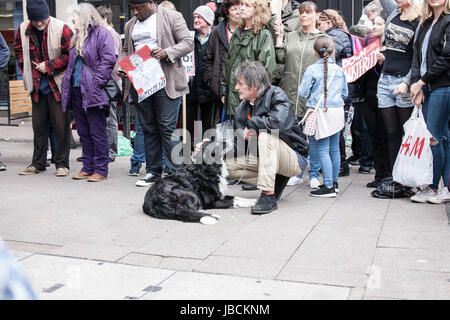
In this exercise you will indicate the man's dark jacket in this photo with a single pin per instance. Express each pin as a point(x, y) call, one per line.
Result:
point(273, 111)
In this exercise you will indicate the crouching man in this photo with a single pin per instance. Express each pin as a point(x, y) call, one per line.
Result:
point(266, 115)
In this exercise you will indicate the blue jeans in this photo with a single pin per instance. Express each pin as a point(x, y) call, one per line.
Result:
point(139, 146)
point(314, 158)
point(436, 111)
point(330, 158)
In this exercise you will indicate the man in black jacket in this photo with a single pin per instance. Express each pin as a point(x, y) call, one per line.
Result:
point(266, 118)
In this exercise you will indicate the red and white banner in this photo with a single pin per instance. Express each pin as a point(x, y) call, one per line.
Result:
point(355, 66)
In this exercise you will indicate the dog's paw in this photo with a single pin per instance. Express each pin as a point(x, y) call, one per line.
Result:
point(243, 202)
point(212, 219)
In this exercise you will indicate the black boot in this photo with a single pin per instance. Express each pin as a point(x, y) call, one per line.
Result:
point(265, 204)
point(344, 170)
point(280, 184)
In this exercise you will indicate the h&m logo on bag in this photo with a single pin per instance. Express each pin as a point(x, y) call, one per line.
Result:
point(416, 149)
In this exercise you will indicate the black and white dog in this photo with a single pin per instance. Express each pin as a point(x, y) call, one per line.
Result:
point(195, 187)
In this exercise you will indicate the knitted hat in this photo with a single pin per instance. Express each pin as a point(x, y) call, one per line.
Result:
point(206, 13)
point(37, 10)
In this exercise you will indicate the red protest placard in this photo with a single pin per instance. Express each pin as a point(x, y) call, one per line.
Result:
point(355, 66)
point(144, 72)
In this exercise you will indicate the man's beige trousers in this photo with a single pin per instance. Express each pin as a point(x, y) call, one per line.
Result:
point(275, 157)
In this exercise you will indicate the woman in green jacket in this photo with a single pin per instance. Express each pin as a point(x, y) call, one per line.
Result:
point(252, 41)
point(297, 53)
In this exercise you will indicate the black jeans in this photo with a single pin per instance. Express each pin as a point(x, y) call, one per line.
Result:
point(378, 136)
point(45, 111)
point(361, 143)
point(394, 118)
point(207, 116)
point(158, 115)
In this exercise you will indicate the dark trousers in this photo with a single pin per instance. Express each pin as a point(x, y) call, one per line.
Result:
point(91, 127)
point(206, 116)
point(378, 136)
point(394, 118)
point(158, 115)
point(45, 111)
point(361, 143)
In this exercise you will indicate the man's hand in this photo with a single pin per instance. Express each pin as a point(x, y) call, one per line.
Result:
point(279, 31)
point(122, 74)
point(159, 53)
point(401, 89)
point(248, 134)
point(41, 67)
point(198, 146)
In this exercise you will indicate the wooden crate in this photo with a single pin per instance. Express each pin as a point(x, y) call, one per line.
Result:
point(19, 100)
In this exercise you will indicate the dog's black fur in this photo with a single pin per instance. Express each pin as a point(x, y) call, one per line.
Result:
point(181, 195)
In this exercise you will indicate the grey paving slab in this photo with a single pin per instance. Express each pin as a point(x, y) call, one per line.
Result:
point(95, 251)
point(20, 255)
point(255, 268)
point(140, 259)
point(412, 259)
point(411, 285)
point(257, 247)
point(171, 263)
point(199, 286)
point(335, 277)
point(73, 279)
point(404, 237)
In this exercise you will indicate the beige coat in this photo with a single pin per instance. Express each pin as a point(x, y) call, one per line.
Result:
point(174, 37)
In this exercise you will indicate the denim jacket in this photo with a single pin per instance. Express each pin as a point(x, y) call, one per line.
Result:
point(312, 85)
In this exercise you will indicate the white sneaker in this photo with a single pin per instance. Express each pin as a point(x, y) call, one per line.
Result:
point(442, 196)
point(294, 181)
point(49, 155)
point(314, 183)
point(423, 195)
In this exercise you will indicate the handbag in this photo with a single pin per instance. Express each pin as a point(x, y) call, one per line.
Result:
point(309, 121)
point(111, 88)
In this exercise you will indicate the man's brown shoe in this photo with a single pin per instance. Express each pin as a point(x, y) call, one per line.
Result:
point(81, 175)
point(30, 170)
point(96, 178)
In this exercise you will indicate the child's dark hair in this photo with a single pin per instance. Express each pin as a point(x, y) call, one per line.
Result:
point(324, 46)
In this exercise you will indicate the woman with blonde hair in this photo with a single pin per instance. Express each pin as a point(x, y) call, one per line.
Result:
point(394, 99)
point(252, 41)
point(91, 61)
point(431, 88)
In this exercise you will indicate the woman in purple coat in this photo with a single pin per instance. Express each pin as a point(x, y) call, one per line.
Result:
point(91, 60)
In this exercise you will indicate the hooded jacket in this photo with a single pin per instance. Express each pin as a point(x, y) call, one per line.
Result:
point(99, 55)
point(245, 46)
point(297, 54)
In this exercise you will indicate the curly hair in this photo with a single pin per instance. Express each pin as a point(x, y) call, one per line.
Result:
point(226, 5)
point(261, 16)
point(335, 18)
point(85, 14)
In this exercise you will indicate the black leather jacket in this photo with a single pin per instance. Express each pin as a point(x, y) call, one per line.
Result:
point(273, 111)
point(438, 54)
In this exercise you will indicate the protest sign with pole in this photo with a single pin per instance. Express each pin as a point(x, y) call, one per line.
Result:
point(189, 69)
point(276, 6)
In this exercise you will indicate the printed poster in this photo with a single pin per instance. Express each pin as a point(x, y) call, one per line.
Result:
point(355, 66)
point(144, 72)
point(189, 61)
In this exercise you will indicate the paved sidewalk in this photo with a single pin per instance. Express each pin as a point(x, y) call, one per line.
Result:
point(80, 240)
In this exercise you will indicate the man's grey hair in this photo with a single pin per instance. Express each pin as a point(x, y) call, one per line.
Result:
point(254, 74)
